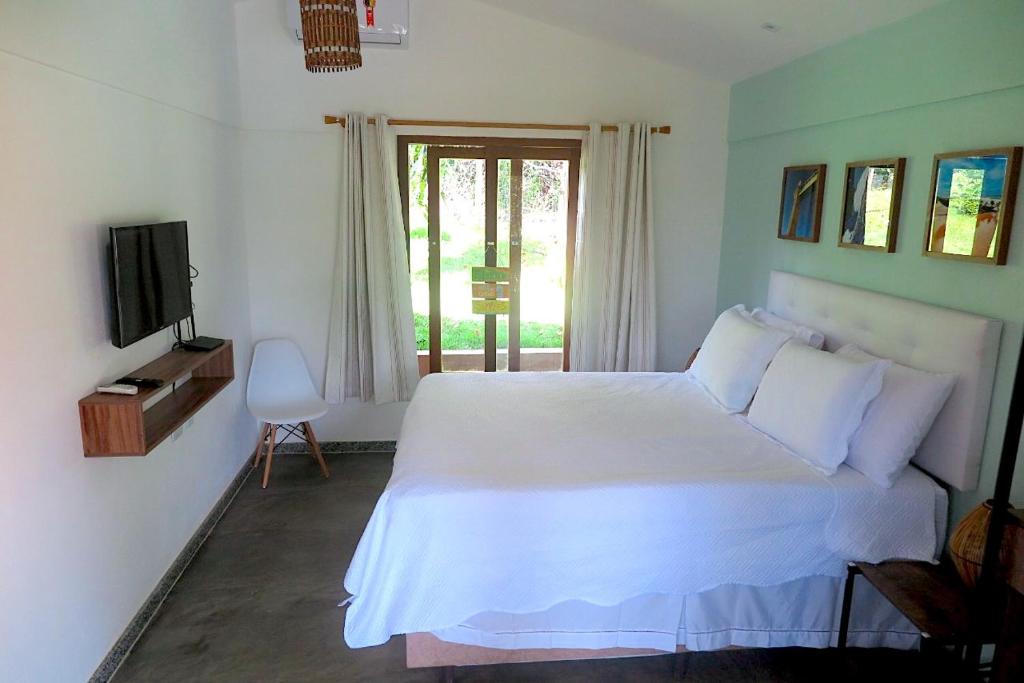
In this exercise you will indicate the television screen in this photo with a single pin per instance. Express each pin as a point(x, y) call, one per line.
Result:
point(150, 277)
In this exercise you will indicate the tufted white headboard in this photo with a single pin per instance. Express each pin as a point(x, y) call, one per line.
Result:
point(917, 335)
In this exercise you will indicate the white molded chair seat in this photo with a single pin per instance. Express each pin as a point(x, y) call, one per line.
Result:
point(281, 393)
point(280, 390)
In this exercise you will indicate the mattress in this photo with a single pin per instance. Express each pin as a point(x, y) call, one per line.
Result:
point(514, 493)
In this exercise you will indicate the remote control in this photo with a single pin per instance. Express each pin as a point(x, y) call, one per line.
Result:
point(126, 389)
point(142, 382)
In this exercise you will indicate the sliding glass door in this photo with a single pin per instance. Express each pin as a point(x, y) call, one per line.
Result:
point(491, 225)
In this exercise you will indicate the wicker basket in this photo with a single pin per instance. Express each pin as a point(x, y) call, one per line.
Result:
point(967, 545)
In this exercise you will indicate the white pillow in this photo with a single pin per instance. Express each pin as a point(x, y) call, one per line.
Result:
point(898, 420)
point(813, 402)
point(808, 335)
point(733, 357)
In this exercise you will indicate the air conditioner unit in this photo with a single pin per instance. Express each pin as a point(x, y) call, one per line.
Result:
point(391, 23)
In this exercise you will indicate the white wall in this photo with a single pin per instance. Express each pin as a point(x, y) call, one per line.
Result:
point(466, 61)
point(119, 112)
point(113, 112)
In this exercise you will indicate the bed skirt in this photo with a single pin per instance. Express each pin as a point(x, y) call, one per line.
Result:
point(801, 613)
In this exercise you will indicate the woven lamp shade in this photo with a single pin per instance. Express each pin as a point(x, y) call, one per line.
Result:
point(330, 35)
point(967, 544)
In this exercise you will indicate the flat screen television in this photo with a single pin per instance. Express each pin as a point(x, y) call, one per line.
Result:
point(149, 275)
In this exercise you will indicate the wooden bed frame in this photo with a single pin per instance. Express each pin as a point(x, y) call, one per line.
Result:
point(425, 650)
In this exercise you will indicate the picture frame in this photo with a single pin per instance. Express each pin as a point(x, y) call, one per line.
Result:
point(872, 198)
point(971, 205)
point(800, 206)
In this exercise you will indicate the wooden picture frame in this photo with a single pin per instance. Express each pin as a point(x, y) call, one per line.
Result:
point(853, 227)
point(999, 167)
point(794, 206)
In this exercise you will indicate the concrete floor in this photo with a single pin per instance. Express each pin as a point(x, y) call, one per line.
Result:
point(259, 603)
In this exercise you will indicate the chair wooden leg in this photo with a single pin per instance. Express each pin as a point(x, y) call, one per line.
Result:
point(314, 446)
point(270, 455)
point(258, 455)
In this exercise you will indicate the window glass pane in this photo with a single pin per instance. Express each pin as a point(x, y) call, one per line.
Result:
point(462, 221)
point(418, 248)
point(542, 286)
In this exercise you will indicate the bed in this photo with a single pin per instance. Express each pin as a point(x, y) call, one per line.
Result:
point(554, 516)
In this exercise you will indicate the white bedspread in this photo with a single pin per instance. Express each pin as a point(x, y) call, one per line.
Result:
point(515, 492)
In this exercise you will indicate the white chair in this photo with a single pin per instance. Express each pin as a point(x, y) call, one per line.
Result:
point(281, 394)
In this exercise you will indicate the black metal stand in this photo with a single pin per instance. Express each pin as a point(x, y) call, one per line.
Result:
point(844, 619)
point(297, 430)
point(988, 598)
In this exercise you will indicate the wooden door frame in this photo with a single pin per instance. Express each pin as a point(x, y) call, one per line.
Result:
point(515, 260)
point(491, 150)
point(434, 155)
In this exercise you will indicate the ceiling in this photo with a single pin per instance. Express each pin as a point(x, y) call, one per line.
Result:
point(722, 39)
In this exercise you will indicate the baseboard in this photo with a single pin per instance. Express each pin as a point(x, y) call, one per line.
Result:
point(123, 647)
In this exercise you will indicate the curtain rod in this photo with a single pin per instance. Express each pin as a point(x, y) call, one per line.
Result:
point(332, 120)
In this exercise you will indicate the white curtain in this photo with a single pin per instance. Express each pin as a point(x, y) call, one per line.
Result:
point(613, 326)
point(372, 342)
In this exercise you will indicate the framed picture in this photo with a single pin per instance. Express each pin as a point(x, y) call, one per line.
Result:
point(803, 193)
point(872, 194)
point(970, 211)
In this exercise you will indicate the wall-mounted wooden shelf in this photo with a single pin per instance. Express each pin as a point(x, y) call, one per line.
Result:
point(114, 424)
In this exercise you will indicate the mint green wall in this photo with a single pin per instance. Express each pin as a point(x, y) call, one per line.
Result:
point(948, 79)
